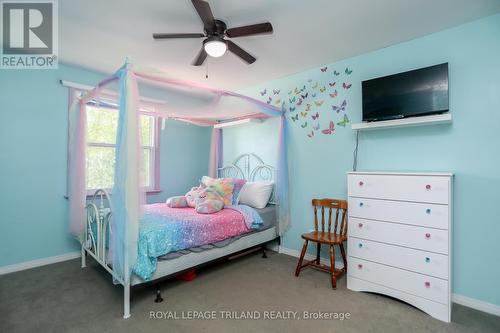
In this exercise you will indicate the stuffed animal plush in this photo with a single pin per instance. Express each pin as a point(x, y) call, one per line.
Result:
point(192, 194)
point(177, 202)
point(208, 201)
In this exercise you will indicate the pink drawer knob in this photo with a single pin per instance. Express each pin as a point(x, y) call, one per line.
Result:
point(427, 187)
point(427, 284)
point(360, 225)
point(361, 183)
point(360, 266)
point(427, 235)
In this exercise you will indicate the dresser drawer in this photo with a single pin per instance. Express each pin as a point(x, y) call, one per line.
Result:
point(402, 257)
point(424, 286)
point(422, 238)
point(433, 189)
point(421, 214)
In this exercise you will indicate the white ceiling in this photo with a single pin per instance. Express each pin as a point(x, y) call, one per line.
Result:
point(99, 34)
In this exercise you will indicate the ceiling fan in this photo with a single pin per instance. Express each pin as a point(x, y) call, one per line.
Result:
point(216, 32)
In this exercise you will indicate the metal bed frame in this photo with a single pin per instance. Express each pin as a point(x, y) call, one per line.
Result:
point(98, 228)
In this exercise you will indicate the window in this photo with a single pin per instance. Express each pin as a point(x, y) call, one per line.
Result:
point(102, 125)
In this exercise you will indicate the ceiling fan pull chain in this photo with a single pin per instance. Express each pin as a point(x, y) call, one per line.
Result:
point(206, 68)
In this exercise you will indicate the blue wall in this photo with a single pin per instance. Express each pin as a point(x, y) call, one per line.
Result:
point(469, 147)
point(33, 144)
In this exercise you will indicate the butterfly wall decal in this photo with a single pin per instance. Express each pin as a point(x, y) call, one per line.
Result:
point(304, 125)
point(278, 101)
point(348, 71)
point(313, 95)
point(344, 121)
point(334, 94)
point(292, 100)
point(296, 91)
point(341, 107)
point(332, 84)
point(322, 89)
point(315, 116)
point(336, 73)
point(296, 117)
point(276, 91)
point(292, 109)
point(303, 88)
point(315, 85)
point(269, 100)
point(346, 85)
point(299, 102)
point(263, 92)
point(304, 96)
point(311, 134)
point(316, 127)
point(330, 129)
point(319, 103)
point(323, 69)
point(308, 107)
point(290, 92)
point(303, 114)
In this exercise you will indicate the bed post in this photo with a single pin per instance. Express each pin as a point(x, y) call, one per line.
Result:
point(84, 257)
point(126, 300)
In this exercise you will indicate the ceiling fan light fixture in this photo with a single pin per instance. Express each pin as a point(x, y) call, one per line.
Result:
point(215, 46)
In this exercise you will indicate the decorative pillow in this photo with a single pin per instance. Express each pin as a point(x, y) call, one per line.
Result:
point(177, 202)
point(224, 186)
point(238, 185)
point(256, 194)
point(192, 194)
point(209, 201)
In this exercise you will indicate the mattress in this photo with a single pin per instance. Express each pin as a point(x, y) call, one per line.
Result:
point(268, 215)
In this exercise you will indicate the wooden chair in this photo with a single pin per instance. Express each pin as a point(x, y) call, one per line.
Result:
point(337, 237)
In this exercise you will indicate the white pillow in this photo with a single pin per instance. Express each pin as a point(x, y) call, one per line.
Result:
point(256, 194)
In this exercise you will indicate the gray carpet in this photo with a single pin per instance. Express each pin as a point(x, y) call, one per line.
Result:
point(64, 298)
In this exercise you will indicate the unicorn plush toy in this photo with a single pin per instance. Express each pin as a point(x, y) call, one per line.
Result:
point(205, 200)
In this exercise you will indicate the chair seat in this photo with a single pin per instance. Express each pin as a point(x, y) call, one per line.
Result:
point(324, 237)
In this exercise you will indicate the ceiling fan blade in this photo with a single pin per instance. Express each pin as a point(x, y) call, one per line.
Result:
point(205, 13)
point(240, 52)
point(248, 30)
point(200, 58)
point(188, 35)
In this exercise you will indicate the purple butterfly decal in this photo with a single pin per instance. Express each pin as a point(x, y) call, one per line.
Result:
point(346, 85)
point(316, 127)
point(304, 96)
point(341, 107)
point(315, 116)
point(330, 129)
point(324, 69)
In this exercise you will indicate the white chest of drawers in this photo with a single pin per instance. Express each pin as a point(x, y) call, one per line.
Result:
point(400, 237)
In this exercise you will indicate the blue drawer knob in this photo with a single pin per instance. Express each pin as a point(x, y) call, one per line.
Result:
point(360, 245)
point(428, 210)
point(427, 259)
point(360, 204)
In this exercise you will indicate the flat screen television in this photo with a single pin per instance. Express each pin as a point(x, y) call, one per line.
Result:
point(415, 93)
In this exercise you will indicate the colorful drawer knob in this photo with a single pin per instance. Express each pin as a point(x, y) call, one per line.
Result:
point(360, 225)
point(427, 259)
point(360, 266)
point(361, 204)
point(428, 187)
point(427, 235)
point(361, 183)
point(428, 210)
point(360, 245)
point(427, 284)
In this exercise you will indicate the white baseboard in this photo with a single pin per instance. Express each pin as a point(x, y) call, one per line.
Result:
point(38, 262)
point(456, 298)
point(476, 304)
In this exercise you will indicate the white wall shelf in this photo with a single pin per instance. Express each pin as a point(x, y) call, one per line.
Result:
point(444, 118)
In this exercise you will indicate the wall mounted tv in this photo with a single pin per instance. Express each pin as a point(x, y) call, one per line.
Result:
point(415, 93)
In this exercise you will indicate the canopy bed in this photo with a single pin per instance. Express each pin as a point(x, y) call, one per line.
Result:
point(138, 243)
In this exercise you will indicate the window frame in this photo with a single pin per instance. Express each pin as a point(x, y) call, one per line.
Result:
point(154, 162)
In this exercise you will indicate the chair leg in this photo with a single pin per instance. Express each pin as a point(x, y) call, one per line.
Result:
point(302, 254)
point(318, 251)
point(342, 251)
point(332, 267)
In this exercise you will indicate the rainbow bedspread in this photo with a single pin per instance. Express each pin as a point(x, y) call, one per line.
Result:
point(163, 230)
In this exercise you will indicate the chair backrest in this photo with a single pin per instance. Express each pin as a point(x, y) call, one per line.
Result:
point(340, 207)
